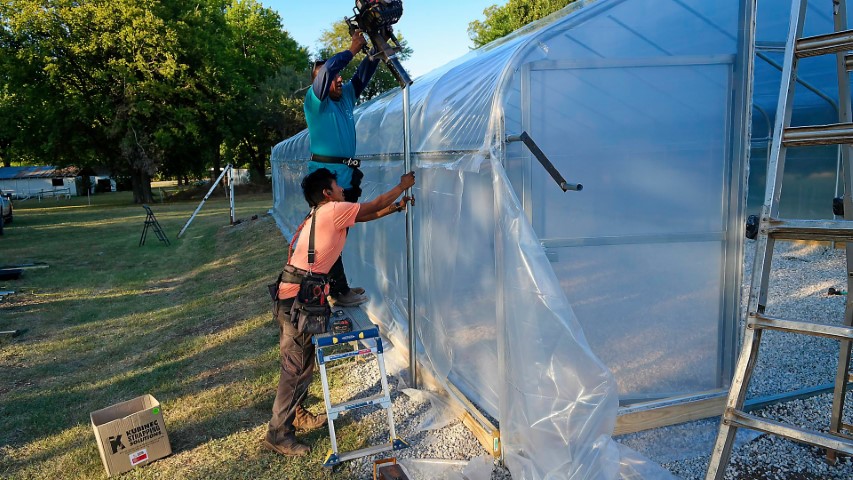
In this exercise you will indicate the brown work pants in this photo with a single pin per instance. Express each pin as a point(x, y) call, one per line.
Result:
point(297, 367)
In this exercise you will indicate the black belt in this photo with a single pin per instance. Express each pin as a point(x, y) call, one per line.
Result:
point(350, 162)
point(291, 274)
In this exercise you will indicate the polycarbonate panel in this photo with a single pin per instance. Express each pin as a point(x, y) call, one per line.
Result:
point(630, 97)
point(663, 312)
point(455, 282)
point(808, 185)
point(810, 173)
point(647, 172)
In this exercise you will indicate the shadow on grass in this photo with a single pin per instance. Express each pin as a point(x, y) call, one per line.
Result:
point(35, 414)
point(199, 330)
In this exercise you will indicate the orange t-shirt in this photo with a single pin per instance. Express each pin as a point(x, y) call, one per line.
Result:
point(330, 235)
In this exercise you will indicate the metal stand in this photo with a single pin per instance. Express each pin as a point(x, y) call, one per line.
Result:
point(369, 337)
point(151, 222)
point(225, 171)
point(773, 228)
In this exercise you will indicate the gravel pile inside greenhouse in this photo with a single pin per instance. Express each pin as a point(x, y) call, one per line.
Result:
point(802, 274)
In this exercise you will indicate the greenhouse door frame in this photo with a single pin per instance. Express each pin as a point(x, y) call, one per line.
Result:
point(731, 238)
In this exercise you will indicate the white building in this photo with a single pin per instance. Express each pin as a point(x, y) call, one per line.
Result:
point(42, 181)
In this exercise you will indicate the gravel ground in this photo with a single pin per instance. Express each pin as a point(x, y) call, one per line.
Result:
point(444, 451)
point(802, 273)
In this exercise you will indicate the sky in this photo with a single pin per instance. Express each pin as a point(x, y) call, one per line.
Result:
point(437, 30)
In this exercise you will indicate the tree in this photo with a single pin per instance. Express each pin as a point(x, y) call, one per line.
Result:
point(145, 86)
point(337, 38)
point(267, 66)
point(97, 77)
point(503, 20)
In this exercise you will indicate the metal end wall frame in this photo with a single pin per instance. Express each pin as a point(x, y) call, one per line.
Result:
point(733, 193)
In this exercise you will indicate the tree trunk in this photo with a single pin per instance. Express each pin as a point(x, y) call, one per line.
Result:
point(257, 164)
point(217, 164)
point(141, 187)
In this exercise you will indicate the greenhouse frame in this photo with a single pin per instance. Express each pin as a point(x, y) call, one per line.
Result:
point(548, 309)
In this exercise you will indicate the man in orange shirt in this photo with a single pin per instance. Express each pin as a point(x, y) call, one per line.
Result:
point(333, 216)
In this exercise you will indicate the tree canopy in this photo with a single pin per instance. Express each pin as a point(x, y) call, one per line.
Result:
point(503, 20)
point(145, 86)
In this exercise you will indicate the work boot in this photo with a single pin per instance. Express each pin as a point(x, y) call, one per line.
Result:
point(306, 420)
point(350, 299)
point(290, 447)
point(358, 290)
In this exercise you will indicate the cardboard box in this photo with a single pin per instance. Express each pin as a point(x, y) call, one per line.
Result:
point(130, 434)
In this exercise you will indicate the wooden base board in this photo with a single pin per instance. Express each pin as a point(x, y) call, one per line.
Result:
point(486, 432)
point(657, 414)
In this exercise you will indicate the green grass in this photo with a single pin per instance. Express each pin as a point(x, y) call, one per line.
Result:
point(108, 320)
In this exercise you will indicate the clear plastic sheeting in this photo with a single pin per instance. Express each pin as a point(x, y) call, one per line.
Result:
point(433, 469)
point(441, 412)
point(559, 400)
point(634, 466)
point(637, 100)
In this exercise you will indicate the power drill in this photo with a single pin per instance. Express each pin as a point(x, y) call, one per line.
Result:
point(340, 323)
point(375, 18)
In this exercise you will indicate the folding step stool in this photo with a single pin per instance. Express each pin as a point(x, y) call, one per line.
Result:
point(772, 228)
point(151, 221)
point(369, 337)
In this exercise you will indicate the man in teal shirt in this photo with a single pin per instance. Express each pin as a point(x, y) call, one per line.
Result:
point(329, 107)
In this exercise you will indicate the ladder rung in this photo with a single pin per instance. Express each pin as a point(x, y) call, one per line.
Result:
point(359, 403)
point(326, 339)
point(805, 328)
point(797, 434)
point(354, 353)
point(832, 134)
point(824, 44)
point(810, 229)
point(845, 426)
point(366, 451)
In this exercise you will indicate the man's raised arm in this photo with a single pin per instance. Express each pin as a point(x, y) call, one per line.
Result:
point(330, 70)
point(363, 74)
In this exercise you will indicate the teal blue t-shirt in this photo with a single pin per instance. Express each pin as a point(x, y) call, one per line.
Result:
point(332, 129)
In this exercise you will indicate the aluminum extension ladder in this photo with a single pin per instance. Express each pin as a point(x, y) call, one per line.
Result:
point(772, 228)
point(371, 344)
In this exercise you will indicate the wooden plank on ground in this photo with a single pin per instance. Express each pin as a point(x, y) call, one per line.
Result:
point(486, 432)
point(655, 414)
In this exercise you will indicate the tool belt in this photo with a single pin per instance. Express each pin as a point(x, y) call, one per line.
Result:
point(291, 274)
point(350, 162)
